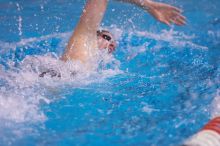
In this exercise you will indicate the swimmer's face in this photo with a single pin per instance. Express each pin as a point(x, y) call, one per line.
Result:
point(106, 41)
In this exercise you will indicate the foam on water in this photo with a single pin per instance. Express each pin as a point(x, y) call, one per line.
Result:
point(26, 75)
point(21, 87)
point(23, 92)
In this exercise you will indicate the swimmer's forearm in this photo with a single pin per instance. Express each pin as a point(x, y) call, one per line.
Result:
point(92, 15)
point(164, 13)
point(85, 35)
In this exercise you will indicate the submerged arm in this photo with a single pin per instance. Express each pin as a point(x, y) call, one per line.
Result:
point(84, 37)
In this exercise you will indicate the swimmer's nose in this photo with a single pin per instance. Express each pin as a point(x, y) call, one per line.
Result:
point(111, 48)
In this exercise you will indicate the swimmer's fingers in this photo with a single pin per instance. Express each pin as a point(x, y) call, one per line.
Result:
point(166, 21)
point(177, 14)
point(166, 13)
point(179, 20)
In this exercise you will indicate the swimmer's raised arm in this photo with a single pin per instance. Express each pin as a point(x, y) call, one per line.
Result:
point(83, 41)
point(163, 12)
point(84, 36)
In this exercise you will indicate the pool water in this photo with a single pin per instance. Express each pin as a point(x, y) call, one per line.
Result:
point(159, 88)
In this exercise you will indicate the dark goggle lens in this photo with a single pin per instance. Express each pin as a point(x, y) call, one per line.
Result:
point(106, 37)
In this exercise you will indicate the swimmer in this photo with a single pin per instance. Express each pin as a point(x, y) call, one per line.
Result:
point(87, 38)
point(87, 34)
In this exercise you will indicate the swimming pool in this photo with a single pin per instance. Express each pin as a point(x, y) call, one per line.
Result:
point(160, 87)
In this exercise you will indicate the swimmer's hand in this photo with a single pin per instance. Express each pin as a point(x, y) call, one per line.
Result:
point(165, 13)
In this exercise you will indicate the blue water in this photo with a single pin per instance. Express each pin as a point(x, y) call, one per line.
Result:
point(161, 86)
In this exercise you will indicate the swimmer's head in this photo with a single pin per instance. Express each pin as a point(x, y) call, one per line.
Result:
point(106, 40)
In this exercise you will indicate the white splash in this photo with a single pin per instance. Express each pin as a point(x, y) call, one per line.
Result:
point(216, 105)
point(19, 20)
point(18, 108)
point(148, 108)
point(175, 38)
point(23, 90)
